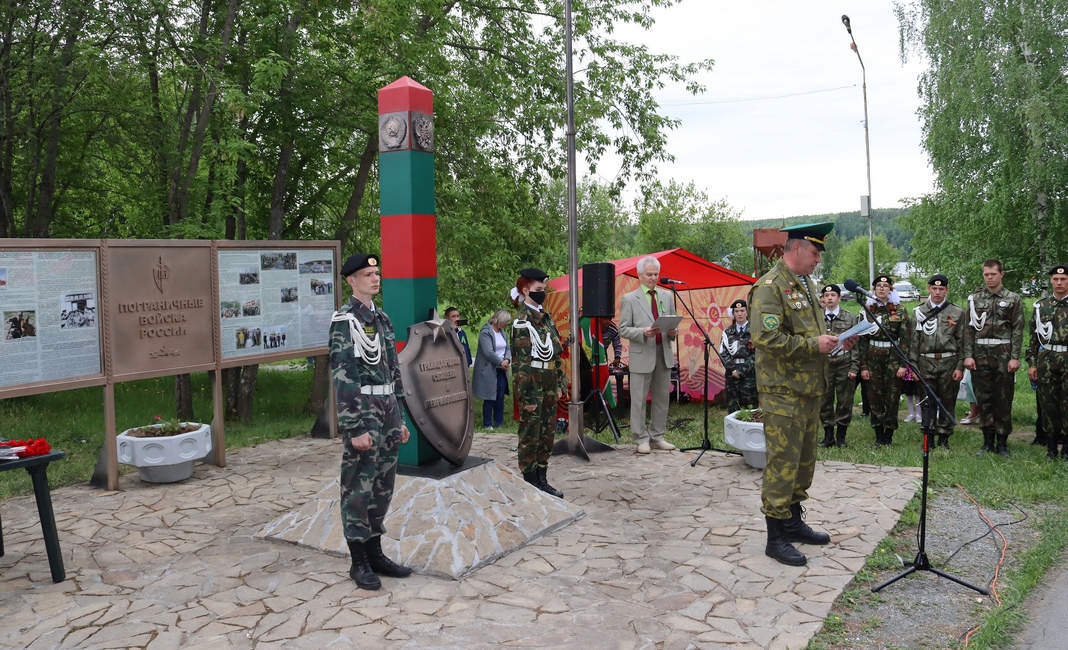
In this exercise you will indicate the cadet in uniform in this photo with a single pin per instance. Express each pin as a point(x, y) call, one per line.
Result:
point(791, 372)
point(880, 365)
point(537, 377)
point(993, 341)
point(367, 384)
point(841, 372)
point(739, 358)
point(1047, 360)
point(935, 349)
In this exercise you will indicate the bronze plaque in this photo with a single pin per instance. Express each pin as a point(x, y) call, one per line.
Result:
point(437, 388)
point(160, 308)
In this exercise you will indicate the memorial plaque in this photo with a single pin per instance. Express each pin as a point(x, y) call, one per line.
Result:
point(437, 388)
point(162, 310)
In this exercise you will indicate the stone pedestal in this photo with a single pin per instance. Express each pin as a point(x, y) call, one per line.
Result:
point(447, 527)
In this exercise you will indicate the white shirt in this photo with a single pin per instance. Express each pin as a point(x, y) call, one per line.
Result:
point(498, 343)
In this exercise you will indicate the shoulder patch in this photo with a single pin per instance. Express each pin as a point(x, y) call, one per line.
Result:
point(771, 321)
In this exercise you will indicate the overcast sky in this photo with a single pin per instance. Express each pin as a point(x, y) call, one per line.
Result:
point(780, 129)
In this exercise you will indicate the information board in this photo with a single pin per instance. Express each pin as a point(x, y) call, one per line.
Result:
point(48, 312)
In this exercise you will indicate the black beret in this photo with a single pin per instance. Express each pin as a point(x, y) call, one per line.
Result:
point(357, 262)
point(1060, 269)
point(739, 303)
point(882, 278)
point(831, 287)
point(938, 280)
point(532, 273)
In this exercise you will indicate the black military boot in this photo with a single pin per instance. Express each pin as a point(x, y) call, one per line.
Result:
point(828, 437)
point(840, 440)
point(988, 442)
point(1003, 446)
point(943, 440)
point(545, 487)
point(361, 572)
point(888, 436)
point(799, 532)
point(878, 438)
point(532, 478)
point(1051, 448)
point(778, 547)
point(381, 564)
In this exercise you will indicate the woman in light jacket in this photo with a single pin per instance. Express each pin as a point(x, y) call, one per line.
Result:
point(490, 380)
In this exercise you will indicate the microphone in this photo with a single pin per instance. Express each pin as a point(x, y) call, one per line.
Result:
point(669, 281)
point(855, 287)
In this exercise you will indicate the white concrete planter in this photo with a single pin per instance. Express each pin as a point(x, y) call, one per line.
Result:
point(748, 437)
point(167, 459)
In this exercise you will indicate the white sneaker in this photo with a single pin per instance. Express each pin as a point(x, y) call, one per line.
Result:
point(910, 418)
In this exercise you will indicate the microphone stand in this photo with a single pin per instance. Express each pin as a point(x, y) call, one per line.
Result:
point(706, 444)
point(932, 410)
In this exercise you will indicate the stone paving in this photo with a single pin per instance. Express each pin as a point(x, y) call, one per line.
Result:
point(667, 556)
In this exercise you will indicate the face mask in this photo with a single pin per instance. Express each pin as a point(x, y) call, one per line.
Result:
point(537, 297)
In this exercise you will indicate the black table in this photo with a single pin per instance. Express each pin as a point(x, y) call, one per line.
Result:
point(37, 466)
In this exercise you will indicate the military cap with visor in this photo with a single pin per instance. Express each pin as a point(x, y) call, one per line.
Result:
point(814, 233)
point(357, 262)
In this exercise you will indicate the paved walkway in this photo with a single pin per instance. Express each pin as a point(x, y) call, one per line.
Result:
point(668, 556)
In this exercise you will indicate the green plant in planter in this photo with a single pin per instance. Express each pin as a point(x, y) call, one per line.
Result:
point(750, 415)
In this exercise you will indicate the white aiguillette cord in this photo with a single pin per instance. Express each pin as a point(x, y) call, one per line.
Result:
point(541, 350)
point(1044, 330)
point(929, 326)
point(367, 348)
point(731, 348)
point(975, 320)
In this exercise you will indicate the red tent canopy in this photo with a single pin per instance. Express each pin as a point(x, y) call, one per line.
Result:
point(677, 264)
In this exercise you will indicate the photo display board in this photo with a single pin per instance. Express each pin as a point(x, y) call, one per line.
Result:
point(49, 316)
point(275, 300)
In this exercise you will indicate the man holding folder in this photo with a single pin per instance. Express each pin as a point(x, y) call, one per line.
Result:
point(651, 358)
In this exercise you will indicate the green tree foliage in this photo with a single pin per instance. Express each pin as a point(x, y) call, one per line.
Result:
point(852, 261)
point(223, 118)
point(681, 216)
point(995, 116)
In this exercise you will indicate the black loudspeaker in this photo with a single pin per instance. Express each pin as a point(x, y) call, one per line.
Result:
point(599, 290)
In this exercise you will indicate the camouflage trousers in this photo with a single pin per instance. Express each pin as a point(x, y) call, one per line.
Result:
point(367, 477)
point(1053, 393)
point(791, 431)
point(537, 428)
point(994, 388)
point(939, 374)
point(884, 388)
point(741, 393)
point(840, 389)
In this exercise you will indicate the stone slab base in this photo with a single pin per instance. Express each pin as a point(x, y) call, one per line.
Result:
point(447, 527)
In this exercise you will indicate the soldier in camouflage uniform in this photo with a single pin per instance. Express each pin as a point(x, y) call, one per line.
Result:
point(842, 371)
point(739, 360)
point(1047, 360)
point(993, 341)
point(537, 377)
point(879, 363)
point(791, 372)
point(935, 349)
point(367, 386)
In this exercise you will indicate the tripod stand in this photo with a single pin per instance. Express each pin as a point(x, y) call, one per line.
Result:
point(596, 393)
point(706, 444)
point(932, 412)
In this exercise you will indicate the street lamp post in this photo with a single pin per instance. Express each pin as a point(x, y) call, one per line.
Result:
point(865, 201)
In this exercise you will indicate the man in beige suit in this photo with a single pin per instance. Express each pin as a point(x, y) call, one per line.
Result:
point(651, 358)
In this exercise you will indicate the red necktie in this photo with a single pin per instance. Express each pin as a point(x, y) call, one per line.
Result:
point(656, 314)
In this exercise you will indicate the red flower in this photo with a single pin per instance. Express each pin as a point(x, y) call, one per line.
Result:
point(33, 447)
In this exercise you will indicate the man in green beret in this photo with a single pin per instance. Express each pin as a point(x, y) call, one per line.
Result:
point(1047, 360)
point(791, 374)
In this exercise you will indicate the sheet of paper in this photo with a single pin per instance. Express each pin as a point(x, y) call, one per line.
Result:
point(667, 322)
